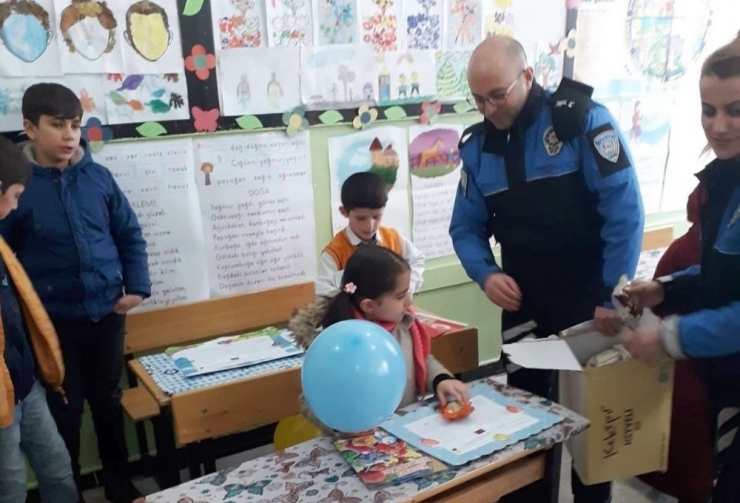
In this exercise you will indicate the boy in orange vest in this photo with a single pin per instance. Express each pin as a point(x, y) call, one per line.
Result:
point(364, 197)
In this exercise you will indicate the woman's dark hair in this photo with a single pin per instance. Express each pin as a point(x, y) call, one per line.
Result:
point(724, 62)
point(373, 271)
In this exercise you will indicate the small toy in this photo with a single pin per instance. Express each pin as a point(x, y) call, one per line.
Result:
point(454, 411)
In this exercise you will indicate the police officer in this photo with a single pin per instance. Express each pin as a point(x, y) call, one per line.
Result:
point(550, 178)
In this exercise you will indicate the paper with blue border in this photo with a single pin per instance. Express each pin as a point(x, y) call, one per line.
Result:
point(491, 407)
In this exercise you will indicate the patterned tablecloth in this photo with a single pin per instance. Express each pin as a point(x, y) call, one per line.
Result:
point(314, 472)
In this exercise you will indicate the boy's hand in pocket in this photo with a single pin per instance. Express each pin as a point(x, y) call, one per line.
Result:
point(127, 303)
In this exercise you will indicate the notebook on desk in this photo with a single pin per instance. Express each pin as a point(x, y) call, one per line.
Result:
point(381, 460)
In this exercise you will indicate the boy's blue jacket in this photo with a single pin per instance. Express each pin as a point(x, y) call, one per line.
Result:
point(79, 239)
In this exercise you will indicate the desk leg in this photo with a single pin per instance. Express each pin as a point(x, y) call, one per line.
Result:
point(167, 471)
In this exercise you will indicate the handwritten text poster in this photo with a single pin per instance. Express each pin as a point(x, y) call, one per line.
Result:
point(157, 178)
point(256, 197)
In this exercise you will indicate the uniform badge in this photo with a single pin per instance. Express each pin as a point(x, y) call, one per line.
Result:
point(606, 144)
point(464, 182)
point(552, 144)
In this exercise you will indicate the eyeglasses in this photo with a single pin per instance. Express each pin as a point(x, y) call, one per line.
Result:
point(497, 99)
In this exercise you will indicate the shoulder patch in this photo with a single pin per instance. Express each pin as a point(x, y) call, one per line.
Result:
point(608, 150)
point(553, 145)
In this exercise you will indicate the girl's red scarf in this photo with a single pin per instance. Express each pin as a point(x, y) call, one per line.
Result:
point(420, 342)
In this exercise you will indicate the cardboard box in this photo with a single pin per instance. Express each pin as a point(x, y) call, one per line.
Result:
point(629, 407)
point(627, 403)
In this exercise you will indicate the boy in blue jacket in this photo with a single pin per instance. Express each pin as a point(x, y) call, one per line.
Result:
point(81, 244)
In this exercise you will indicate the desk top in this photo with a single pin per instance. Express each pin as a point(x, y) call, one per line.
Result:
point(314, 472)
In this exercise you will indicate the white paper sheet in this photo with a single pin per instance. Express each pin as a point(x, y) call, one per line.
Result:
point(143, 98)
point(238, 23)
point(256, 197)
point(157, 178)
point(289, 23)
point(151, 36)
point(259, 80)
point(335, 22)
point(338, 76)
point(542, 354)
point(463, 24)
point(383, 150)
point(407, 77)
point(29, 46)
point(423, 24)
point(90, 39)
point(452, 75)
point(434, 162)
point(379, 24)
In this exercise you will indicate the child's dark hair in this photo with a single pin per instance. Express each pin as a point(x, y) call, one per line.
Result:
point(364, 190)
point(15, 168)
point(372, 271)
point(54, 100)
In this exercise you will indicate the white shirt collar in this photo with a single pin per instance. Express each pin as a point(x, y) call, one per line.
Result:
point(355, 240)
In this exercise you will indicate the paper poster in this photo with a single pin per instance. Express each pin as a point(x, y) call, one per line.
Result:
point(88, 88)
point(88, 36)
point(157, 178)
point(238, 23)
point(29, 47)
point(144, 98)
point(452, 75)
point(259, 81)
point(338, 76)
point(423, 24)
point(380, 150)
point(407, 77)
point(256, 196)
point(548, 65)
point(289, 23)
point(462, 24)
point(434, 162)
point(151, 36)
point(335, 22)
point(645, 123)
point(380, 20)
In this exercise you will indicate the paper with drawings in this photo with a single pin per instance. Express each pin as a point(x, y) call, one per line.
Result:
point(423, 24)
point(434, 162)
point(380, 150)
point(335, 22)
point(338, 76)
point(289, 23)
point(259, 80)
point(89, 35)
point(407, 77)
point(88, 88)
point(256, 199)
point(29, 45)
point(238, 23)
point(380, 24)
point(452, 75)
point(157, 178)
point(462, 24)
point(151, 36)
point(143, 98)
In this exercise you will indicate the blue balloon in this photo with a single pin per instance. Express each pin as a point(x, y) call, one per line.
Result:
point(353, 376)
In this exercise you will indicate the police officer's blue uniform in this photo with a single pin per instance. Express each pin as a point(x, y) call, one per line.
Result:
point(559, 193)
point(711, 332)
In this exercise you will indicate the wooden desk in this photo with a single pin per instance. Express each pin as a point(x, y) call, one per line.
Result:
point(314, 471)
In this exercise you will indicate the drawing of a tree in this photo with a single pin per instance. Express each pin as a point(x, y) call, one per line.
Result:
point(346, 76)
point(462, 83)
point(447, 81)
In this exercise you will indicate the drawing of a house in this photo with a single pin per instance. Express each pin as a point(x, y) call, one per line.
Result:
point(384, 162)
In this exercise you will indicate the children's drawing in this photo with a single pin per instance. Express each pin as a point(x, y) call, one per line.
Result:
point(88, 30)
point(268, 84)
point(452, 76)
point(463, 23)
point(498, 18)
point(26, 32)
point(207, 169)
point(380, 150)
point(289, 23)
point(424, 24)
point(238, 23)
point(434, 153)
point(89, 88)
point(380, 23)
point(338, 76)
point(406, 76)
point(335, 22)
point(548, 65)
point(152, 36)
point(142, 98)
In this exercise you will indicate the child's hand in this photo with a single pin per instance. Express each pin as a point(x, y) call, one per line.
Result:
point(127, 303)
point(458, 390)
